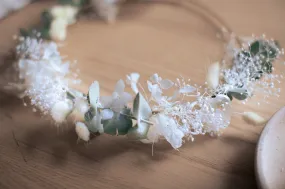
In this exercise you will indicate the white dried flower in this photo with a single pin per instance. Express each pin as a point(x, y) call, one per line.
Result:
point(253, 118)
point(58, 29)
point(155, 78)
point(187, 89)
point(155, 90)
point(107, 114)
point(80, 108)
point(163, 83)
point(168, 128)
point(132, 80)
point(81, 105)
point(82, 131)
point(61, 110)
point(119, 98)
point(106, 9)
point(213, 75)
point(65, 12)
point(166, 84)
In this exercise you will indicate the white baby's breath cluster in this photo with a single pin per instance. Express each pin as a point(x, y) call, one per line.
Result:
point(45, 75)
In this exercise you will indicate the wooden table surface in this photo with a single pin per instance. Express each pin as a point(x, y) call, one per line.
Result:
point(146, 39)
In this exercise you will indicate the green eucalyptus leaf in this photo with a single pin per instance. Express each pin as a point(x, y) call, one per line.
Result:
point(126, 111)
point(89, 115)
point(88, 99)
point(69, 95)
point(238, 93)
point(119, 124)
point(25, 32)
point(255, 48)
point(46, 19)
point(139, 131)
point(65, 2)
point(230, 96)
point(44, 33)
point(33, 33)
point(76, 93)
point(94, 94)
point(77, 3)
point(268, 50)
point(141, 108)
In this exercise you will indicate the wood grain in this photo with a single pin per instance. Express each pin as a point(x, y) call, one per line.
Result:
point(147, 38)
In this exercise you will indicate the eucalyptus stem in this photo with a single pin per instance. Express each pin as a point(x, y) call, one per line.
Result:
point(142, 120)
point(69, 95)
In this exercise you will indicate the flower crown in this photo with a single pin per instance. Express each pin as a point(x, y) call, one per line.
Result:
point(174, 110)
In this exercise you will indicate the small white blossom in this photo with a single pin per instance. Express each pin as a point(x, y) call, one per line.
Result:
point(60, 110)
point(187, 89)
point(213, 75)
point(155, 91)
point(132, 80)
point(64, 12)
point(81, 105)
point(80, 108)
point(82, 131)
point(119, 98)
point(166, 84)
point(106, 9)
point(168, 128)
point(63, 15)
point(58, 29)
point(253, 118)
point(155, 78)
point(163, 83)
point(107, 114)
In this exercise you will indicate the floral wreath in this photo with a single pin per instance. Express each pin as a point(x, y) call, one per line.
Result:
point(145, 115)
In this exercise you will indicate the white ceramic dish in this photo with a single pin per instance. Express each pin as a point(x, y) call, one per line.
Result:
point(270, 154)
